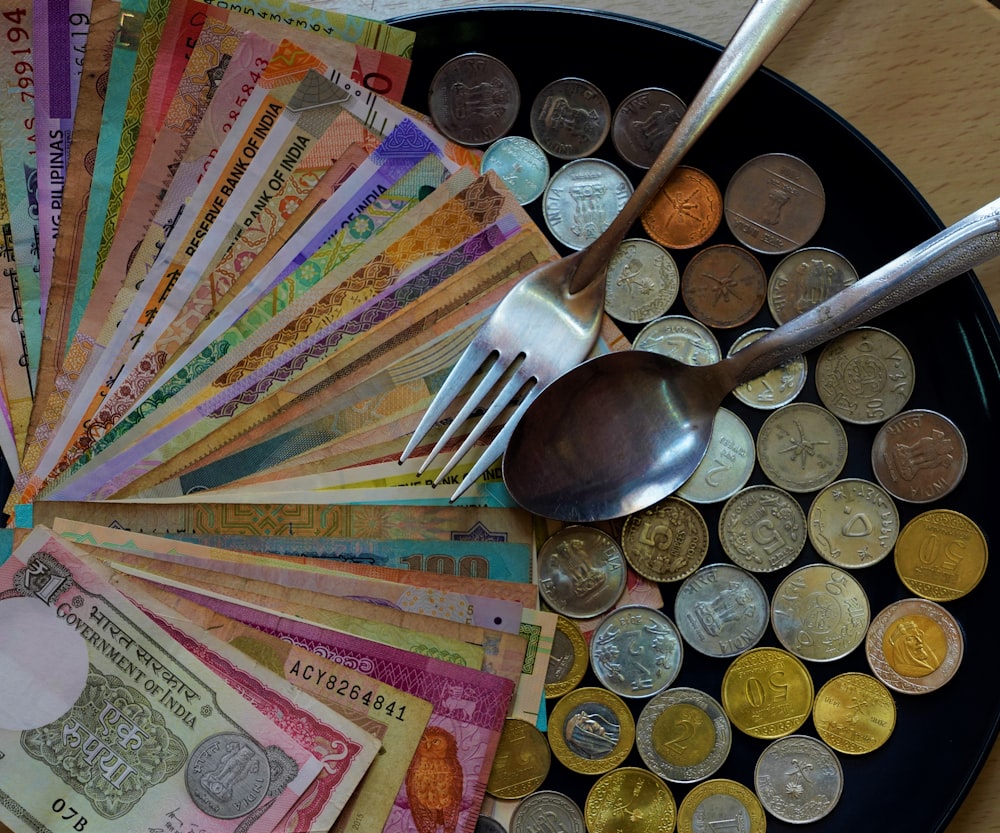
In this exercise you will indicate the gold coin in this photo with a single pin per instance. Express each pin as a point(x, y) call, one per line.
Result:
point(721, 804)
point(767, 693)
point(568, 660)
point(591, 730)
point(853, 523)
point(686, 211)
point(941, 555)
point(668, 541)
point(521, 762)
point(630, 800)
point(854, 713)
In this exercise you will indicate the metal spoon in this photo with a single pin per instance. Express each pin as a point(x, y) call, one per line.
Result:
point(624, 430)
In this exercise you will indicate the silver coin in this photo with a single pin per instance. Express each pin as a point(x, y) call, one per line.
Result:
point(581, 572)
point(488, 824)
point(643, 281)
point(581, 200)
point(721, 610)
point(643, 122)
point(727, 464)
point(779, 386)
point(762, 528)
point(636, 651)
point(521, 164)
point(680, 337)
point(228, 775)
point(547, 810)
point(683, 735)
point(853, 523)
point(805, 278)
point(798, 779)
point(570, 118)
point(801, 447)
point(474, 99)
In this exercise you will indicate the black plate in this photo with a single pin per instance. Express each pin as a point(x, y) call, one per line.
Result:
point(917, 780)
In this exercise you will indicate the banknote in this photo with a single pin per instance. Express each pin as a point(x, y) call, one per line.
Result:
point(17, 397)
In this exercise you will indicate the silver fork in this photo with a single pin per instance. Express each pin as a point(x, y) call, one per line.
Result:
point(549, 322)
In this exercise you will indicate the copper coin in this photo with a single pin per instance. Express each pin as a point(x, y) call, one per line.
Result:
point(775, 203)
point(724, 286)
point(570, 118)
point(804, 279)
point(474, 99)
point(643, 122)
point(686, 211)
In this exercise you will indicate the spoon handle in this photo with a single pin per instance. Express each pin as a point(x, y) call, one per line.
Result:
point(951, 252)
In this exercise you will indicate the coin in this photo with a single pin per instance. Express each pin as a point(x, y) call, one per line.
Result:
point(581, 200)
point(630, 800)
point(686, 211)
point(724, 286)
point(914, 646)
point(941, 555)
point(591, 730)
point(666, 541)
point(683, 735)
point(778, 386)
point(801, 447)
point(642, 282)
point(568, 660)
point(680, 337)
point(762, 528)
point(548, 810)
point(521, 762)
point(488, 824)
point(213, 769)
point(581, 571)
point(854, 713)
point(521, 165)
point(804, 279)
point(721, 804)
point(643, 122)
point(820, 613)
point(727, 464)
point(636, 651)
point(474, 99)
point(865, 376)
point(774, 203)
point(767, 692)
point(570, 118)
point(853, 523)
point(721, 610)
point(798, 779)
point(919, 456)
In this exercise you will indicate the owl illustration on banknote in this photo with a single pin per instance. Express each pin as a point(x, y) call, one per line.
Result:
point(434, 782)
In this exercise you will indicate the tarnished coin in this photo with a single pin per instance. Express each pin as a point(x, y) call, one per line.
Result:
point(854, 713)
point(721, 610)
point(520, 164)
point(914, 646)
point(767, 692)
point(547, 810)
point(581, 200)
point(941, 555)
point(762, 528)
point(775, 203)
point(570, 118)
point(630, 800)
point(724, 286)
point(568, 660)
point(820, 613)
point(636, 651)
point(522, 760)
point(666, 541)
point(865, 376)
point(680, 337)
point(212, 771)
point(721, 804)
point(776, 387)
point(804, 279)
point(686, 211)
point(727, 464)
point(683, 735)
point(853, 523)
point(919, 456)
point(643, 281)
point(591, 730)
point(802, 447)
point(643, 122)
point(798, 779)
point(474, 99)
point(581, 571)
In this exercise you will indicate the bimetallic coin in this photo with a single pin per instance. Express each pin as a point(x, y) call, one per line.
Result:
point(853, 523)
point(521, 762)
point(570, 118)
point(680, 337)
point(547, 810)
point(727, 464)
point(721, 804)
point(636, 651)
point(630, 800)
point(798, 779)
point(643, 122)
point(581, 572)
point(721, 610)
point(775, 203)
point(762, 529)
point(919, 456)
point(474, 99)
point(213, 775)
point(802, 447)
point(820, 613)
point(724, 286)
point(686, 211)
point(642, 282)
point(804, 279)
point(941, 555)
point(914, 646)
point(776, 387)
point(666, 541)
point(521, 164)
point(767, 693)
point(591, 730)
point(568, 660)
point(854, 713)
point(683, 735)
point(581, 200)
